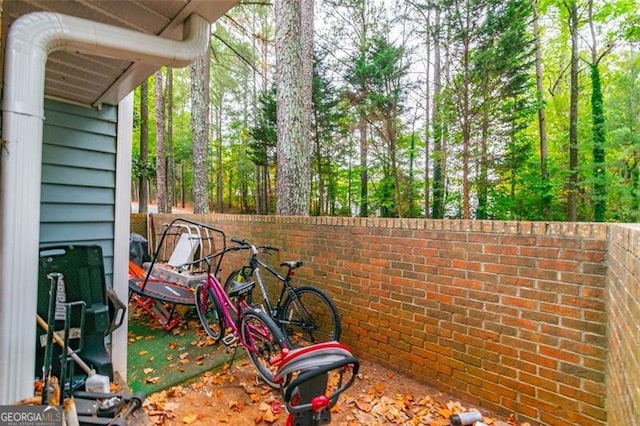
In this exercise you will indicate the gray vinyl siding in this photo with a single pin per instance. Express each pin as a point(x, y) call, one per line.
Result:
point(78, 178)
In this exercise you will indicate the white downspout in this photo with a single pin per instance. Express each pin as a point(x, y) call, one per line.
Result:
point(31, 39)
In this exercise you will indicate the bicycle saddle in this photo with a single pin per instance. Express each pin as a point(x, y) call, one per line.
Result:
point(239, 288)
point(292, 264)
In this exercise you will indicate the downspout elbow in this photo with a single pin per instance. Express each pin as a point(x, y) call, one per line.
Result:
point(33, 37)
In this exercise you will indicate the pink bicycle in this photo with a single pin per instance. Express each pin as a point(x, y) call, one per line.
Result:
point(230, 318)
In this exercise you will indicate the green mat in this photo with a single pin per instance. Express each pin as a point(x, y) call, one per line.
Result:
point(158, 359)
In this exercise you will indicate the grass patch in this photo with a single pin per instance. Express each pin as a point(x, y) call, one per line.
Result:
point(159, 359)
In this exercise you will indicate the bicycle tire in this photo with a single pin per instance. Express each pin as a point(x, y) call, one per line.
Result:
point(263, 342)
point(209, 312)
point(309, 317)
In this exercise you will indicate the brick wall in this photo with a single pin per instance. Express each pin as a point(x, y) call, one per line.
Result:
point(623, 295)
point(508, 315)
point(138, 224)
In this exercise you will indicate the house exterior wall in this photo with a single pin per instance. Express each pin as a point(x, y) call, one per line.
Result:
point(508, 315)
point(79, 178)
point(623, 295)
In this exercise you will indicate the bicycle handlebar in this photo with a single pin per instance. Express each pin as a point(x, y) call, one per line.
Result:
point(246, 245)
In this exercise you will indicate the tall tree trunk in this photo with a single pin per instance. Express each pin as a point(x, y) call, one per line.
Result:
point(263, 190)
point(599, 166)
point(597, 116)
point(143, 196)
point(410, 184)
point(634, 177)
point(542, 125)
point(161, 169)
point(183, 193)
point(466, 120)
point(364, 178)
point(438, 148)
point(307, 28)
point(171, 173)
point(395, 173)
point(572, 185)
point(262, 205)
point(319, 170)
point(427, 135)
point(200, 131)
point(292, 122)
point(483, 174)
point(306, 18)
point(219, 175)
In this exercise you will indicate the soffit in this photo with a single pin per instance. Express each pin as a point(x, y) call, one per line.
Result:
point(92, 80)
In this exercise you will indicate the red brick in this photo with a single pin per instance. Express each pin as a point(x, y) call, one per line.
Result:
point(501, 249)
point(501, 269)
point(538, 252)
point(519, 303)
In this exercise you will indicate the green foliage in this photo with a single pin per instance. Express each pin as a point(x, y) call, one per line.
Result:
point(140, 169)
point(372, 70)
point(264, 133)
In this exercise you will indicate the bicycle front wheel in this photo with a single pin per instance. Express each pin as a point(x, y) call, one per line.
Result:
point(209, 312)
point(309, 316)
point(264, 343)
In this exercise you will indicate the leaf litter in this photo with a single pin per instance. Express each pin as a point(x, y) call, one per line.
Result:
point(235, 396)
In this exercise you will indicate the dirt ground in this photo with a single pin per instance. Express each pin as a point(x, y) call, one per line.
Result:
point(235, 397)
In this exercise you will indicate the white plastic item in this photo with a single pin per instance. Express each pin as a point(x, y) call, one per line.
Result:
point(467, 418)
point(97, 383)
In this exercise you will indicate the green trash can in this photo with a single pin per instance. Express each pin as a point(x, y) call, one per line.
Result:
point(83, 279)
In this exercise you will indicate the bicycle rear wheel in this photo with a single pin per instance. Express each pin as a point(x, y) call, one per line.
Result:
point(309, 316)
point(209, 312)
point(240, 275)
point(264, 343)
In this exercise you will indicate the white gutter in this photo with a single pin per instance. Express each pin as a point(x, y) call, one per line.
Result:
point(30, 40)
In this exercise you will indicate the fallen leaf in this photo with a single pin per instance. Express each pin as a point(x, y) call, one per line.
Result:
point(444, 412)
point(264, 406)
point(269, 417)
point(190, 418)
point(363, 406)
point(147, 370)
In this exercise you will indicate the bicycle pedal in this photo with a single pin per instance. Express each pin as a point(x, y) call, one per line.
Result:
point(229, 339)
